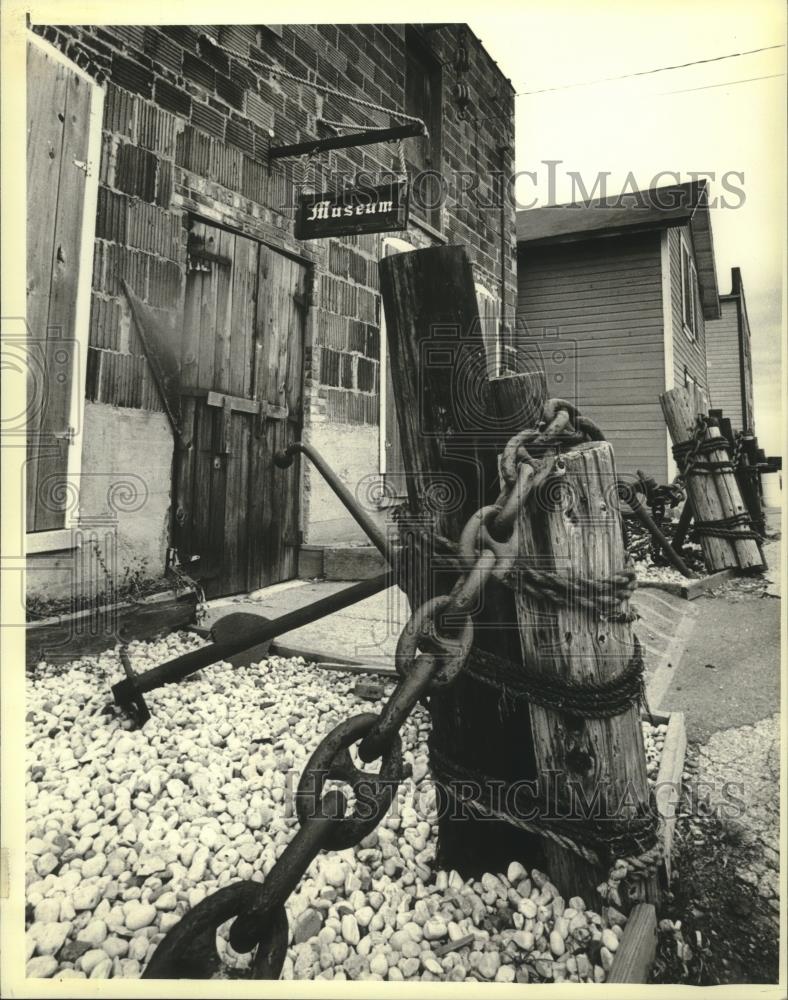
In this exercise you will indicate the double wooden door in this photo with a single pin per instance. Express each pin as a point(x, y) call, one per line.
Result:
point(237, 514)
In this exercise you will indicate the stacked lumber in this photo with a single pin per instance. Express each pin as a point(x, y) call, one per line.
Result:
point(714, 495)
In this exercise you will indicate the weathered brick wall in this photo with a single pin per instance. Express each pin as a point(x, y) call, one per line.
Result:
point(190, 114)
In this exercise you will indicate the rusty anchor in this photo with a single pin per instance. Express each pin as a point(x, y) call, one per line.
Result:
point(236, 633)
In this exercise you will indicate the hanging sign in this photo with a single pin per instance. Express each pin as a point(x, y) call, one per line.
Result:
point(357, 210)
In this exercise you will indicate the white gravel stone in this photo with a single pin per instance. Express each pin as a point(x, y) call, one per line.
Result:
point(435, 929)
point(41, 967)
point(94, 933)
point(115, 947)
point(143, 826)
point(138, 948)
point(47, 911)
point(103, 970)
point(350, 931)
point(46, 863)
point(86, 896)
point(94, 866)
point(91, 959)
point(50, 937)
point(528, 909)
point(334, 871)
point(139, 915)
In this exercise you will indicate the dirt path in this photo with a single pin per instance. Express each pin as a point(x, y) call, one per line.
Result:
point(725, 890)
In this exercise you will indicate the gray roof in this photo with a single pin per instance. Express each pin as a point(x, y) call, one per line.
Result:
point(638, 211)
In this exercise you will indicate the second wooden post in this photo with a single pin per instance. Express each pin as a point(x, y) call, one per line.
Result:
point(573, 527)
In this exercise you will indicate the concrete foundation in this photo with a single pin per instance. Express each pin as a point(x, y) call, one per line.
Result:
point(352, 451)
point(122, 501)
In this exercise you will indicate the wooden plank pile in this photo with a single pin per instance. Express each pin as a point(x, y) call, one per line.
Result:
point(722, 520)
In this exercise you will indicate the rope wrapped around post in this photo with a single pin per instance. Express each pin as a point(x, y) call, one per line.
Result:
point(737, 527)
point(712, 480)
point(628, 846)
point(579, 712)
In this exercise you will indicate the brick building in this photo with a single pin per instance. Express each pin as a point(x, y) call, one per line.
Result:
point(149, 164)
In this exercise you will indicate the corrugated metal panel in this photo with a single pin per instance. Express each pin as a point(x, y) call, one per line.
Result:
point(593, 310)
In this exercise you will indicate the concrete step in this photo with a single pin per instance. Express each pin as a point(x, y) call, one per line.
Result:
point(339, 562)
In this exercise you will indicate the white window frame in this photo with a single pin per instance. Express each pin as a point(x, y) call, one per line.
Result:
point(60, 539)
point(401, 246)
point(688, 308)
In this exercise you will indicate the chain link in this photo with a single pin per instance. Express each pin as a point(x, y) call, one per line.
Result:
point(433, 649)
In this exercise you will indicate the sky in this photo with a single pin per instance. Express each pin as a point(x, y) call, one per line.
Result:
point(663, 122)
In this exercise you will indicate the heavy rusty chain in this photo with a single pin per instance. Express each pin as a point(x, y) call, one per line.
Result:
point(432, 651)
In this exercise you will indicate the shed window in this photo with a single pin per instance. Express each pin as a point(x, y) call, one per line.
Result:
point(689, 292)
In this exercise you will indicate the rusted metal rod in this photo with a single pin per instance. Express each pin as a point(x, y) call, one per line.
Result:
point(683, 526)
point(632, 500)
point(128, 693)
point(379, 539)
point(365, 138)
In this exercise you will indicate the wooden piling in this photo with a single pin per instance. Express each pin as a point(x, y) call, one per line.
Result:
point(581, 534)
point(439, 370)
point(714, 496)
point(517, 400)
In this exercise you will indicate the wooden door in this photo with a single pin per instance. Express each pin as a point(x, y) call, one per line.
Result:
point(242, 353)
point(58, 134)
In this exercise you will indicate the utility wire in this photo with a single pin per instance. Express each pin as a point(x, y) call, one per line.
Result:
point(661, 93)
point(711, 86)
point(648, 72)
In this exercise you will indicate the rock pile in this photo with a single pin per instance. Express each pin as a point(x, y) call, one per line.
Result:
point(647, 572)
point(127, 830)
point(654, 742)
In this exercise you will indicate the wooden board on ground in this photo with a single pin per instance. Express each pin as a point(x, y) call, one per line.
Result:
point(669, 780)
point(637, 948)
point(692, 588)
point(95, 630)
